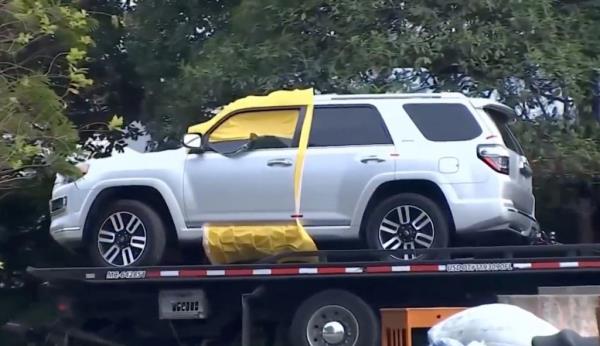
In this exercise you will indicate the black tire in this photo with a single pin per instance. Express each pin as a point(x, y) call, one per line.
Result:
point(154, 227)
point(366, 320)
point(439, 222)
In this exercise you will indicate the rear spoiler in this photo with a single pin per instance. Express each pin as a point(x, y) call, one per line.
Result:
point(505, 112)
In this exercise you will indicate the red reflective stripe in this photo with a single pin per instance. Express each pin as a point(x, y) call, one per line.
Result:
point(238, 272)
point(373, 269)
point(285, 271)
point(589, 264)
point(379, 269)
point(545, 265)
point(153, 274)
point(425, 268)
point(189, 273)
point(331, 270)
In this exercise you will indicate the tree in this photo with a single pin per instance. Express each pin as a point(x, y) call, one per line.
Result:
point(524, 50)
point(116, 95)
point(42, 45)
point(163, 35)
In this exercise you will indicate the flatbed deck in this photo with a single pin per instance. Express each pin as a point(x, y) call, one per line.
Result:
point(336, 263)
point(191, 303)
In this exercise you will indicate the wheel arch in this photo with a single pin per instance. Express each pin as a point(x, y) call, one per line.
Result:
point(143, 193)
point(422, 187)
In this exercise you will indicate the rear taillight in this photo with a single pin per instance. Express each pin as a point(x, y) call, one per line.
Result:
point(496, 156)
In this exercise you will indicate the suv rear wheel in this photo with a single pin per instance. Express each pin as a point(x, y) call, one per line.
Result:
point(127, 233)
point(407, 221)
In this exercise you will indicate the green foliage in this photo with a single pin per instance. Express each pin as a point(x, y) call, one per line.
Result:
point(353, 46)
point(116, 87)
point(556, 150)
point(42, 44)
point(163, 35)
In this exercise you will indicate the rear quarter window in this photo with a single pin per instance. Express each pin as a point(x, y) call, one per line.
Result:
point(509, 138)
point(443, 122)
point(347, 125)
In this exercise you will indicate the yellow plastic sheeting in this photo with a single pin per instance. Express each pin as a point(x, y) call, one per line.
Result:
point(236, 243)
point(279, 123)
point(280, 98)
point(224, 244)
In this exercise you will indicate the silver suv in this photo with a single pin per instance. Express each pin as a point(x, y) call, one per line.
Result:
point(396, 171)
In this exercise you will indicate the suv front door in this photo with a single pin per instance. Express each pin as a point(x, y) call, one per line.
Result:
point(242, 180)
point(348, 146)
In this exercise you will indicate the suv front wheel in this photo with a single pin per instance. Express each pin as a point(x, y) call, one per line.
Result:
point(407, 221)
point(127, 233)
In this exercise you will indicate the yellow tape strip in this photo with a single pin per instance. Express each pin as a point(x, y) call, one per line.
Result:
point(300, 157)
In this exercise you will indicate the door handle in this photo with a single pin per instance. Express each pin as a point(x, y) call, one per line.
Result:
point(372, 158)
point(279, 162)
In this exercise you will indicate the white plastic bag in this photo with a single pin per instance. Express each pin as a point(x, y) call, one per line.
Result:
point(491, 325)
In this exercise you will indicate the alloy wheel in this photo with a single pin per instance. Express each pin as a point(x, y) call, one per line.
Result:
point(406, 227)
point(122, 239)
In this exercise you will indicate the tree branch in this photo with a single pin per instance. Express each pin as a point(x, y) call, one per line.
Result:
point(6, 172)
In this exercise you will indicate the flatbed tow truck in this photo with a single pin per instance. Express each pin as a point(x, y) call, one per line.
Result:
point(339, 300)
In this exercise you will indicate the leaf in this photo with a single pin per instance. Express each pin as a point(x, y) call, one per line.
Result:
point(75, 55)
point(24, 38)
point(115, 123)
point(87, 40)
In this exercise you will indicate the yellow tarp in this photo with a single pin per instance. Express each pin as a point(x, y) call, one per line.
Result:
point(244, 243)
point(227, 243)
point(280, 123)
point(281, 98)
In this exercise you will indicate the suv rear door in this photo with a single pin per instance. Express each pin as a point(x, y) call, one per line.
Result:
point(519, 189)
point(348, 146)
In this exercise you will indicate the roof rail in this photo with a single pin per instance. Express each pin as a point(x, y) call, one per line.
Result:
point(395, 96)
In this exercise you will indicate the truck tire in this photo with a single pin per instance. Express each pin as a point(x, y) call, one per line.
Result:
point(334, 317)
point(127, 233)
point(407, 221)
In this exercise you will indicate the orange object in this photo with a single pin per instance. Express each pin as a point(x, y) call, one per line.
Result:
point(397, 324)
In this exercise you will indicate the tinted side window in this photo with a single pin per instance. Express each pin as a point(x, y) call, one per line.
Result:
point(347, 125)
point(443, 122)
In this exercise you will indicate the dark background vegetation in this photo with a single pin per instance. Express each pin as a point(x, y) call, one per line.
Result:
point(169, 63)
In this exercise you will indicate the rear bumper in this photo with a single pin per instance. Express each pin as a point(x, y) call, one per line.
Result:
point(493, 216)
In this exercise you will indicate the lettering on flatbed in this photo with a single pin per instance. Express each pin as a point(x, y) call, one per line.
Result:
point(125, 274)
point(185, 306)
point(479, 267)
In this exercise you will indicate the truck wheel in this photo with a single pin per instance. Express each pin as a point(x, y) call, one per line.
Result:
point(127, 233)
point(334, 317)
point(407, 221)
